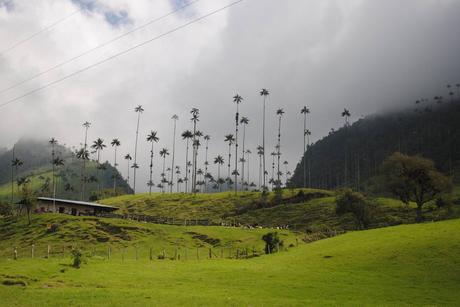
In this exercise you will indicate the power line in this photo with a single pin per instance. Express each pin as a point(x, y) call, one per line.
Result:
point(97, 47)
point(118, 54)
point(47, 28)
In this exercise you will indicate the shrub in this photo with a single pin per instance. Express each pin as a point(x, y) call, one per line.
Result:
point(77, 258)
point(272, 242)
point(5, 209)
point(356, 204)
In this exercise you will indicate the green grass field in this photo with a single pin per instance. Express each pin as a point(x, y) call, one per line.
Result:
point(95, 235)
point(407, 265)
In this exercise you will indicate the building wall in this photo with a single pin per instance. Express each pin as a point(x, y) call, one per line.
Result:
point(43, 207)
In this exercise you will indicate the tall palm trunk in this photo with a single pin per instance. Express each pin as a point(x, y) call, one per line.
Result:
point(151, 170)
point(83, 170)
point(248, 171)
point(186, 167)
point(54, 177)
point(97, 173)
point(194, 152)
point(304, 150)
point(236, 148)
point(263, 145)
point(260, 172)
point(218, 177)
point(243, 161)
point(115, 172)
point(206, 168)
point(135, 152)
point(173, 155)
point(164, 174)
point(127, 178)
point(229, 164)
point(278, 183)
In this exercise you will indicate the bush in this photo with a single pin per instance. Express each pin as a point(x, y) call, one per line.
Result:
point(5, 209)
point(356, 204)
point(272, 242)
point(77, 258)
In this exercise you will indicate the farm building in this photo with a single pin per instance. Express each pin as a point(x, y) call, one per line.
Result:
point(73, 207)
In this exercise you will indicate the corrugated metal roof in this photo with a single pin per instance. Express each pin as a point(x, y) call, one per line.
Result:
point(76, 202)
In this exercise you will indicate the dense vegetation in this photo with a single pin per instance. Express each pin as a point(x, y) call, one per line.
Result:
point(405, 265)
point(353, 154)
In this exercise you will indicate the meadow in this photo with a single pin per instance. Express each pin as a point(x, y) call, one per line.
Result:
point(404, 265)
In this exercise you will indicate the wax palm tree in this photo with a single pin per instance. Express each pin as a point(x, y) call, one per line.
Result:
point(115, 144)
point(206, 162)
point(163, 153)
point(236, 99)
point(346, 114)
point(195, 118)
point(152, 138)
point(264, 93)
point(57, 162)
point(135, 166)
point(86, 125)
point(305, 111)
point(174, 118)
point(248, 153)
point(244, 121)
point(128, 158)
point(98, 145)
point(219, 160)
point(272, 179)
point(260, 153)
point(187, 135)
point(53, 143)
point(178, 174)
point(230, 139)
point(280, 113)
point(83, 154)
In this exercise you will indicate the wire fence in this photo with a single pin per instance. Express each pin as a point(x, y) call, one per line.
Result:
point(134, 253)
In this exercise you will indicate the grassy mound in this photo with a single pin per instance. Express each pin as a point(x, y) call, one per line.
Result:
point(407, 265)
point(95, 235)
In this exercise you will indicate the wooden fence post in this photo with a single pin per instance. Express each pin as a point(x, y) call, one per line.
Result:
point(210, 253)
point(33, 251)
point(164, 254)
point(15, 253)
point(48, 252)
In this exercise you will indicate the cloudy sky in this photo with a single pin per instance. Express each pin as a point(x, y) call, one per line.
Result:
point(369, 56)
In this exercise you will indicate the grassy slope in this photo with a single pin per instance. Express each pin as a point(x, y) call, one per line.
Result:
point(96, 234)
point(316, 214)
point(403, 265)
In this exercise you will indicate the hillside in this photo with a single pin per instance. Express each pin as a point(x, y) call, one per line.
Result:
point(315, 210)
point(96, 234)
point(409, 265)
point(36, 156)
point(353, 154)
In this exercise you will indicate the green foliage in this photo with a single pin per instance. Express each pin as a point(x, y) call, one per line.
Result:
point(272, 242)
point(77, 257)
point(356, 204)
point(413, 178)
point(5, 209)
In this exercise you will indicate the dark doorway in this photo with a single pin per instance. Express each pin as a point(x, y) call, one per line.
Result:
point(74, 211)
point(61, 209)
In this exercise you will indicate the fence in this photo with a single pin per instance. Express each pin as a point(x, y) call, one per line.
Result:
point(134, 253)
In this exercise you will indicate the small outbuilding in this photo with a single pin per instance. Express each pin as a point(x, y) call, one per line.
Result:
point(73, 207)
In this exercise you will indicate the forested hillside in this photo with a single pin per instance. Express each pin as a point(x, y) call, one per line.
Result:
point(35, 158)
point(353, 154)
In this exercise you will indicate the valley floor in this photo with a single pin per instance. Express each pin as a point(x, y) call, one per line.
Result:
point(403, 265)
